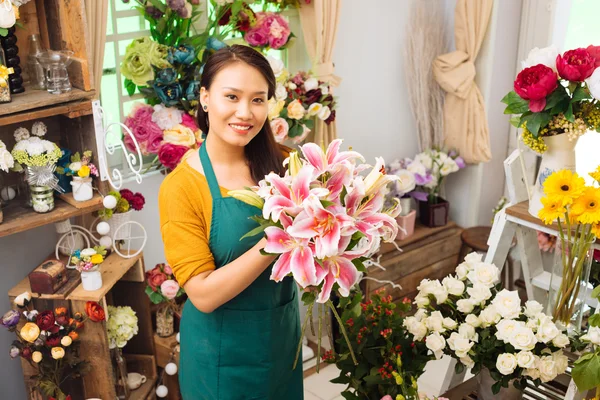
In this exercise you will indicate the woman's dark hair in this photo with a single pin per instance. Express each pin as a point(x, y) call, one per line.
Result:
point(262, 153)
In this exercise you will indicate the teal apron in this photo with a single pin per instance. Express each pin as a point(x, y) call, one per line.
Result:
point(244, 349)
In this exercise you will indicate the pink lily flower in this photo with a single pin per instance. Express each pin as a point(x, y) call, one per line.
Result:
point(296, 257)
point(323, 162)
point(341, 176)
point(339, 270)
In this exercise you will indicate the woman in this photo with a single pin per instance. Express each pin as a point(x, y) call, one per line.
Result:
point(239, 329)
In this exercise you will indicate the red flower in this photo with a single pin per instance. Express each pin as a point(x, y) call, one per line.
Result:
point(597, 255)
point(156, 278)
point(575, 65)
point(53, 341)
point(225, 18)
point(94, 311)
point(331, 117)
point(45, 320)
point(137, 202)
point(26, 352)
point(170, 154)
point(127, 194)
point(62, 320)
point(595, 52)
point(534, 84)
point(312, 96)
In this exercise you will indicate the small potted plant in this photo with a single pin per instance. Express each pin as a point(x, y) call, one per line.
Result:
point(88, 261)
point(82, 170)
point(163, 289)
point(122, 325)
point(117, 211)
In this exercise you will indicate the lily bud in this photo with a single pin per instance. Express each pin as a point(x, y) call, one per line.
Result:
point(295, 164)
point(248, 197)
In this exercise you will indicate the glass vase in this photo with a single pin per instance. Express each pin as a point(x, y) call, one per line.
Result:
point(164, 321)
point(120, 374)
point(42, 198)
point(569, 283)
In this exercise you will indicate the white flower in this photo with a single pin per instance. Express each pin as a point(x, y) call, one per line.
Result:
point(473, 320)
point(533, 308)
point(506, 328)
point(324, 90)
point(547, 331)
point(49, 147)
point(424, 159)
point(421, 314)
point(166, 117)
point(449, 167)
point(468, 331)
point(324, 113)
point(39, 129)
point(561, 361)
point(508, 304)
point(415, 328)
point(314, 109)
point(87, 252)
point(462, 271)
point(546, 56)
point(21, 134)
point(280, 92)
point(435, 322)
point(35, 148)
point(427, 286)
point(436, 343)
point(75, 166)
point(489, 316)
point(23, 299)
point(547, 367)
point(534, 373)
point(479, 293)
point(311, 84)
point(592, 335)
point(593, 83)
point(465, 306)
point(417, 168)
point(561, 341)
point(422, 301)
point(473, 259)
point(467, 361)
point(506, 363)
point(449, 323)
point(526, 359)
point(523, 339)
point(459, 344)
point(454, 286)
point(276, 65)
point(6, 160)
point(21, 146)
point(292, 85)
point(406, 183)
point(485, 274)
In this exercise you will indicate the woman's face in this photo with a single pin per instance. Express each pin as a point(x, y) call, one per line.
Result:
point(237, 103)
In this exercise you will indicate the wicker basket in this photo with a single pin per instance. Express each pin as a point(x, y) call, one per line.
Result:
point(116, 221)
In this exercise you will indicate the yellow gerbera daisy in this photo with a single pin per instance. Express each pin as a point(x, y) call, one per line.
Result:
point(596, 174)
point(596, 230)
point(565, 185)
point(587, 206)
point(554, 208)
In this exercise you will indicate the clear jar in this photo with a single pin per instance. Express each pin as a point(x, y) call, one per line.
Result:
point(37, 77)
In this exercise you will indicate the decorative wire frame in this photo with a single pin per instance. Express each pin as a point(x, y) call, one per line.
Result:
point(103, 130)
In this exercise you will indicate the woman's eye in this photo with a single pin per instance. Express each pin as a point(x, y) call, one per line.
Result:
point(231, 96)
point(259, 101)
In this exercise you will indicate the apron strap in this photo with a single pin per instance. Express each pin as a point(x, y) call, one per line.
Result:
point(209, 173)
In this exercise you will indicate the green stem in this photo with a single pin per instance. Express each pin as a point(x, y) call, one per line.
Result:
point(342, 329)
point(320, 310)
point(306, 318)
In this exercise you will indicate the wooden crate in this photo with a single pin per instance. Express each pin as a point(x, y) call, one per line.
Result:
point(429, 253)
point(123, 284)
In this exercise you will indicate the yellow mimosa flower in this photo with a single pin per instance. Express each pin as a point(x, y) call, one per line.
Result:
point(553, 209)
point(587, 206)
point(564, 184)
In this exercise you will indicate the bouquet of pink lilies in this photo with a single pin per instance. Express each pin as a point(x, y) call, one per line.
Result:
point(324, 219)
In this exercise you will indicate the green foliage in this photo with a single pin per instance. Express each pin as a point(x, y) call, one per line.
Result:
point(586, 372)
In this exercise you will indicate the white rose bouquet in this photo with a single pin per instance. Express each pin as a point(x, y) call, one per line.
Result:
point(122, 325)
point(468, 317)
point(6, 159)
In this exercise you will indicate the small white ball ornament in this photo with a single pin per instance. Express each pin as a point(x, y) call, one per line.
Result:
point(8, 193)
point(110, 201)
point(171, 368)
point(106, 242)
point(177, 337)
point(162, 391)
point(103, 228)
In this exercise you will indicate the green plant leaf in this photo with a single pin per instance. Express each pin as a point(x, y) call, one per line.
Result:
point(536, 121)
point(350, 396)
point(459, 367)
point(129, 86)
point(308, 298)
point(580, 94)
point(596, 292)
point(561, 107)
point(258, 230)
point(556, 97)
point(3, 31)
point(295, 130)
point(327, 203)
point(516, 121)
point(594, 320)
point(310, 123)
point(341, 379)
point(359, 265)
point(159, 5)
point(515, 104)
point(586, 374)
point(569, 113)
point(372, 380)
point(156, 298)
point(496, 387)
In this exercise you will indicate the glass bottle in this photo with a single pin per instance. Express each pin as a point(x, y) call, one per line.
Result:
point(37, 77)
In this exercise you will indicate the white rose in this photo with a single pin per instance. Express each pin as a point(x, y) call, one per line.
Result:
point(422, 301)
point(292, 85)
point(467, 361)
point(506, 363)
point(324, 90)
point(417, 168)
point(435, 322)
point(436, 343)
point(87, 252)
point(280, 92)
point(449, 323)
point(424, 159)
point(459, 344)
point(441, 295)
point(473, 320)
point(415, 328)
point(23, 299)
point(465, 306)
point(592, 335)
point(449, 167)
point(468, 331)
point(420, 315)
point(75, 166)
point(35, 148)
point(547, 367)
point(561, 361)
point(506, 328)
point(523, 339)
point(462, 271)
point(508, 304)
point(427, 286)
point(547, 331)
point(533, 308)
point(311, 84)
point(406, 183)
point(489, 316)
point(453, 285)
point(276, 65)
point(6, 160)
point(473, 259)
point(479, 293)
point(561, 341)
point(526, 359)
point(593, 83)
point(546, 56)
point(166, 117)
point(324, 113)
point(314, 109)
point(534, 373)
point(485, 274)
point(296, 110)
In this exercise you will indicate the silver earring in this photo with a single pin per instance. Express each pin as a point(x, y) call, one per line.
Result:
point(205, 107)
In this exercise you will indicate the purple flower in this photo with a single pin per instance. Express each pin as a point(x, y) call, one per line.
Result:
point(460, 162)
point(154, 12)
point(176, 5)
point(422, 180)
point(11, 318)
point(419, 196)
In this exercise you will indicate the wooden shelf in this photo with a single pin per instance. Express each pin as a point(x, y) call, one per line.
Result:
point(113, 269)
point(36, 104)
point(61, 294)
point(18, 218)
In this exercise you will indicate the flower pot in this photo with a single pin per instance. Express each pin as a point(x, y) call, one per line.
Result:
point(435, 213)
point(82, 188)
point(91, 280)
point(164, 321)
point(118, 222)
point(42, 198)
point(64, 181)
point(484, 388)
point(406, 205)
point(559, 155)
point(407, 224)
point(569, 283)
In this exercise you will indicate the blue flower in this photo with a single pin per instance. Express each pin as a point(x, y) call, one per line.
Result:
point(77, 253)
point(183, 54)
point(169, 95)
point(193, 91)
point(165, 76)
point(212, 43)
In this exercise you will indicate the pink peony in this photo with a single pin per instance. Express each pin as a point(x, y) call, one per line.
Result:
point(280, 129)
point(167, 269)
point(170, 155)
point(169, 289)
point(279, 30)
point(154, 141)
point(256, 37)
point(387, 397)
point(189, 121)
point(140, 123)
